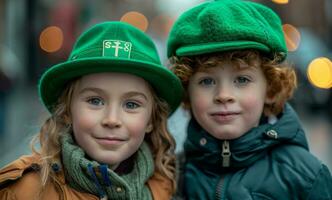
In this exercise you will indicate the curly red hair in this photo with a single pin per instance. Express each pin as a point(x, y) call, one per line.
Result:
point(281, 77)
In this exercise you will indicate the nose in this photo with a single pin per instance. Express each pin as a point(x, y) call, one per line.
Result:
point(112, 119)
point(223, 94)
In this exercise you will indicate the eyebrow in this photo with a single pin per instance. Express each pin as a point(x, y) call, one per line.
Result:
point(249, 69)
point(246, 66)
point(126, 95)
point(91, 89)
point(134, 93)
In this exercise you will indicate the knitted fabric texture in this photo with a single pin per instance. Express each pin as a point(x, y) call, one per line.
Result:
point(133, 185)
point(225, 25)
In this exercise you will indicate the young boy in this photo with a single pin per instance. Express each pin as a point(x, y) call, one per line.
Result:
point(244, 141)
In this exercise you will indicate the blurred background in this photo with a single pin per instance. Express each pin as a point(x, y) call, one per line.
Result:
point(35, 34)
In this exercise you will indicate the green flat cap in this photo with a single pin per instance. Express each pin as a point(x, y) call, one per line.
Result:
point(112, 47)
point(224, 25)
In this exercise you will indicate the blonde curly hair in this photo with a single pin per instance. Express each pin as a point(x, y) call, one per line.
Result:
point(161, 143)
point(281, 78)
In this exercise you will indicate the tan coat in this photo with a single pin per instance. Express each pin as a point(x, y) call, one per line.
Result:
point(28, 183)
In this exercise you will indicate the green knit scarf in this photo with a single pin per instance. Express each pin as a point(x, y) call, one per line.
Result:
point(127, 186)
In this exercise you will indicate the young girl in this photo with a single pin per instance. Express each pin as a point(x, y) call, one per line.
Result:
point(243, 141)
point(107, 136)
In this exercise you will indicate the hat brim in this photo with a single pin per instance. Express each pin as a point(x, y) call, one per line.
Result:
point(164, 82)
point(204, 48)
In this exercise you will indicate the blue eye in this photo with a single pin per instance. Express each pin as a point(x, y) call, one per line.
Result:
point(242, 80)
point(131, 105)
point(207, 82)
point(96, 101)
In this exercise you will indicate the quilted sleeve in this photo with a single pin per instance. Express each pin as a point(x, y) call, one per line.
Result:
point(322, 187)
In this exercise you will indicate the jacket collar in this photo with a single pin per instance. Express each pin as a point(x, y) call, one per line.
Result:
point(205, 150)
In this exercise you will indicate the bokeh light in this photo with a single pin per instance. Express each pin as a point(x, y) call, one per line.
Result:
point(292, 36)
point(136, 19)
point(280, 1)
point(51, 39)
point(319, 72)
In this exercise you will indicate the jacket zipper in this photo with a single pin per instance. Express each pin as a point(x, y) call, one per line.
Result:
point(226, 158)
point(219, 187)
point(222, 186)
point(226, 154)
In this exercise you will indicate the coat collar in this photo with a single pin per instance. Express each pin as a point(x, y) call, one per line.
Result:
point(206, 150)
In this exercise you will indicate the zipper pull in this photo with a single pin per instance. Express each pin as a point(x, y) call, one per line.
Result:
point(226, 154)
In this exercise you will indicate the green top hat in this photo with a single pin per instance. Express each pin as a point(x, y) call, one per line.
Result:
point(224, 25)
point(112, 47)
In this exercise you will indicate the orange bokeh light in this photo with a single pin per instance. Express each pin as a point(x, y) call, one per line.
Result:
point(51, 39)
point(319, 72)
point(292, 36)
point(280, 1)
point(136, 19)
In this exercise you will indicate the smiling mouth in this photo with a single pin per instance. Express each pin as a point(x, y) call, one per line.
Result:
point(224, 117)
point(110, 141)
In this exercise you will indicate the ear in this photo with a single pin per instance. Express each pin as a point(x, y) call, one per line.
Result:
point(149, 128)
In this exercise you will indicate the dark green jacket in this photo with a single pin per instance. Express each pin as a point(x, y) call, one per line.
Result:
point(271, 161)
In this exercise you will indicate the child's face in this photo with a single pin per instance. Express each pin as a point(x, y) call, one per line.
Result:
point(110, 114)
point(227, 101)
